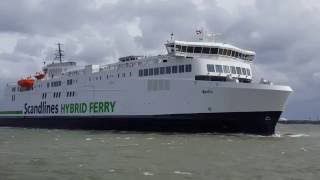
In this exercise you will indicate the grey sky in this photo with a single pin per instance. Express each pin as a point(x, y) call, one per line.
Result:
point(283, 33)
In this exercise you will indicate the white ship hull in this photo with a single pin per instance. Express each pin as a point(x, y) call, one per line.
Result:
point(175, 105)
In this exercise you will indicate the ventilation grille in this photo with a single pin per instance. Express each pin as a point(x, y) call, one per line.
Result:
point(158, 85)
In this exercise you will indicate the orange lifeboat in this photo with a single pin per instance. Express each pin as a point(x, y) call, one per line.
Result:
point(39, 75)
point(26, 83)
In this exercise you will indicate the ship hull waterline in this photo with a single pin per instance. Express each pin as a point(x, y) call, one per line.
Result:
point(261, 123)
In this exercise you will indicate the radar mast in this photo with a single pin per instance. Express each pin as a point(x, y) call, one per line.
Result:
point(59, 53)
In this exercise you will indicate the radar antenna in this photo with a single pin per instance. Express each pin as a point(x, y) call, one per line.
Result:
point(59, 53)
point(203, 35)
point(212, 36)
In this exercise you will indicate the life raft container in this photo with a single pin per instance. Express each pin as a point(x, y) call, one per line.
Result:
point(39, 75)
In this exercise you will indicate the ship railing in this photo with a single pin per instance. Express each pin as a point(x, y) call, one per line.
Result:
point(11, 84)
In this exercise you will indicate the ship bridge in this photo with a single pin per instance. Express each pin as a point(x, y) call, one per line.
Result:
point(213, 61)
point(207, 49)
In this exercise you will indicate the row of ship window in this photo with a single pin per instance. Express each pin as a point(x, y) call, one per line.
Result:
point(165, 70)
point(18, 89)
point(59, 83)
point(108, 76)
point(55, 95)
point(228, 69)
point(55, 83)
point(208, 50)
point(58, 94)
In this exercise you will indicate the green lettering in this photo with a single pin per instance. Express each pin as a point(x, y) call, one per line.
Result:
point(101, 107)
point(62, 108)
point(96, 106)
point(76, 108)
point(113, 104)
point(91, 107)
point(67, 108)
point(84, 108)
point(71, 108)
point(106, 106)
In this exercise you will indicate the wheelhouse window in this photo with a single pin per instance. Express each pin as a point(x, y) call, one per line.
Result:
point(209, 50)
point(238, 70)
point(219, 68)
point(226, 69)
point(210, 68)
point(244, 71)
point(206, 50)
point(145, 72)
point(225, 51)
point(214, 51)
point(248, 72)
point(178, 47)
point(190, 49)
point(228, 52)
point(197, 50)
point(140, 72)
point(233, 70)
point(237, 54)
point(184, 49)
point(170, 48)
point(233, 54)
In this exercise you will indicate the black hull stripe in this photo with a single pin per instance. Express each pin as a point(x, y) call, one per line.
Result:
point(243, 122)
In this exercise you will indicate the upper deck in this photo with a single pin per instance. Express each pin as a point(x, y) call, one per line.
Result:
point(201, 60)
point(198, 49)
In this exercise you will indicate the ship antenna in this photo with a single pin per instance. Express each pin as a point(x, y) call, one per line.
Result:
point(172, 36)
point(59, 53)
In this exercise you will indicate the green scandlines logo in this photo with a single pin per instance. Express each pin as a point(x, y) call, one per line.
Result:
point(71, 108)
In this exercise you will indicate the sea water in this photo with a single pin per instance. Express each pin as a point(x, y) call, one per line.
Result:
point(292, 153)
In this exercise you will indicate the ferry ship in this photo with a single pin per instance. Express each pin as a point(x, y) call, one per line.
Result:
point(199, 86)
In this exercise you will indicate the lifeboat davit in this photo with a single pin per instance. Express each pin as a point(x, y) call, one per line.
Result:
point(26, 83)
point(39, 75)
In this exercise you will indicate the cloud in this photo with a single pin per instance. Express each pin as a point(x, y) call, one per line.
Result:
point(30, 46)
point(284, 34)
